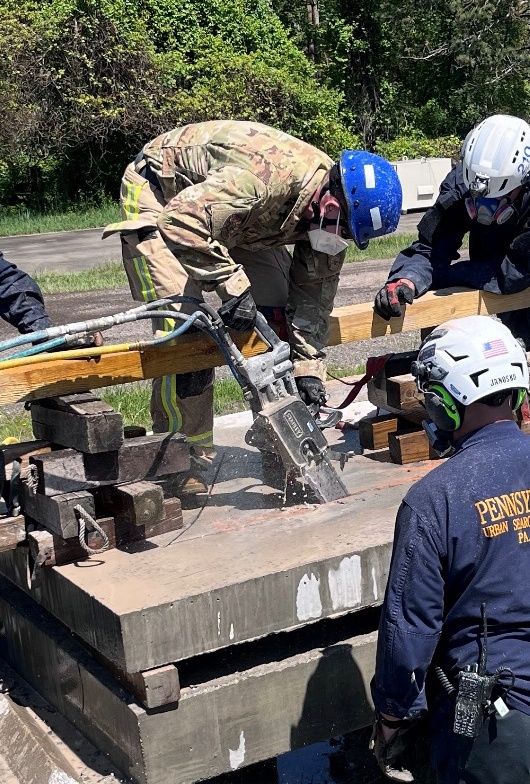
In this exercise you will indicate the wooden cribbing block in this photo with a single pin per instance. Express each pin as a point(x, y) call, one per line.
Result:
point(80, 420)
point(144, 457)
point(12, 532)
point(20, 452)
point(138, 503)
point(152, 688)
point(53, 550)
point(373, 431)
point(410, 447)
point(397, 392)
point(398, 364)
point(56, 513)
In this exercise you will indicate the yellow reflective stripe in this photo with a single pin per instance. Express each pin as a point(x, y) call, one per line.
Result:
point(144, 276)
point(168, 396)
point(169, 326)
point(132, 196)
point(205, 438)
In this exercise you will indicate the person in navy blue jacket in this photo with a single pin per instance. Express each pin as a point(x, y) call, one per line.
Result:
point(488, 195)
point(456, 598)
point(21, 302)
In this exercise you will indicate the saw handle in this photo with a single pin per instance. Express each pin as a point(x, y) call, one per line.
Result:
point(266, 332)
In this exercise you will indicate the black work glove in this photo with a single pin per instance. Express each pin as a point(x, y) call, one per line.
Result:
point(239, 313)
point(388, 752)
point(389, 299)
point(312, 390)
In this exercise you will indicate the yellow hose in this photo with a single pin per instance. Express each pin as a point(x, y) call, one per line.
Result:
point(78, 353)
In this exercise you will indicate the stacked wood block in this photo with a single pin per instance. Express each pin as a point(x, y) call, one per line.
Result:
point(84, 467)
point(398, 426)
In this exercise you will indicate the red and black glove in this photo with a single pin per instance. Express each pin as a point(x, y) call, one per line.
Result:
point(389, 299)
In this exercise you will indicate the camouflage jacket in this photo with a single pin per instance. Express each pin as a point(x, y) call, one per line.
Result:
point(229, 184)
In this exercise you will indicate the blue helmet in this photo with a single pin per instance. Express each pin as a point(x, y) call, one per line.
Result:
point(373, 195)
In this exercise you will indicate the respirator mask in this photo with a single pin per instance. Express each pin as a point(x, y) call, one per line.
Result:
point(324, 241)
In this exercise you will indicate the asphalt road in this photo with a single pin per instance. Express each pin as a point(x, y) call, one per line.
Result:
point(71, 251)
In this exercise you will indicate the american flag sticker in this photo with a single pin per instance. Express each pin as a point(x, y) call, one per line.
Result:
point(494, 348)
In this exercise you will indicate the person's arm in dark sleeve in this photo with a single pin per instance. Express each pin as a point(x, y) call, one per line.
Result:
point(514, 273)
point(21, 301)
point(411, 619)
point(441, 232)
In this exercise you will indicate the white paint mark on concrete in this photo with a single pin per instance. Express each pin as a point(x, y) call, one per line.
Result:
point(60, 777)
point(374, 584)
point(237, 756)
point(308, 602)
point(345, 583)
point(4, 705)
point(219, 623)
point(232, 633)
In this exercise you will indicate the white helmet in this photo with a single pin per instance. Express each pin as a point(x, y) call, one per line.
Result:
point(465, 360)
point(496, 156)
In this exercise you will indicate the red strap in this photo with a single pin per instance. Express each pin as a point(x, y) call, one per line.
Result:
point(525, 411)
point(373, 366)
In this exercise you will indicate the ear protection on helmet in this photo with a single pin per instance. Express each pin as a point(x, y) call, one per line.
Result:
point(442, 408)
point(518, 397)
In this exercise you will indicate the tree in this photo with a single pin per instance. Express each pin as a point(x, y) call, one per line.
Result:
point(88, 82)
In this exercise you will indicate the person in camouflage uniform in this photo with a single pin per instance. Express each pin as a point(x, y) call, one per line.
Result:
point(211, 207)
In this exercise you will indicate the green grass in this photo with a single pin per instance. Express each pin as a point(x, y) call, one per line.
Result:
point(380, 248)
point(28, 222)
point(385, 247)
point(105, 276)
point(15, 426)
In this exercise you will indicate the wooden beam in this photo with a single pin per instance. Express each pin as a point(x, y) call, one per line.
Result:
point(12, 532)
point(144, 457)
point(410, 447)
point(57, 513)
point(53, 550)
point(58, 376)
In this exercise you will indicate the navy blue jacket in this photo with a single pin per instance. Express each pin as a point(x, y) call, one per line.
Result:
point(462, 538)
point(21, 302)
point(499, 255)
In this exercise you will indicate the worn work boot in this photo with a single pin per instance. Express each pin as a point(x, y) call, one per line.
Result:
point(191, 482)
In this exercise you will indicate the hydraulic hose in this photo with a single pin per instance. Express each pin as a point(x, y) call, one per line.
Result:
point(198, 318)
point(92, 351)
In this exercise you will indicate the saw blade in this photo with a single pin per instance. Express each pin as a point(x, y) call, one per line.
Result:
point(324, 481)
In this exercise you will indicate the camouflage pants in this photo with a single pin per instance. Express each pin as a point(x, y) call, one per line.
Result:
point(184, 402)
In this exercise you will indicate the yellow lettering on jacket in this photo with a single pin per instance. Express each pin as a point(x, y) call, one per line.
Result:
point(495, 529)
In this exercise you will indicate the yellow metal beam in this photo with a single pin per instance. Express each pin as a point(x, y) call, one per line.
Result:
point(349, 324)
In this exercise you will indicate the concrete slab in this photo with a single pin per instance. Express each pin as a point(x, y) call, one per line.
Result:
point(244, 566)
point(27, 752)
point(221, 723)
